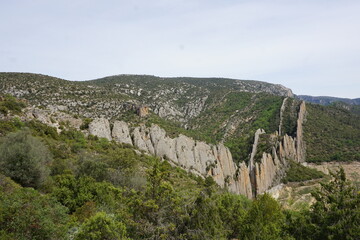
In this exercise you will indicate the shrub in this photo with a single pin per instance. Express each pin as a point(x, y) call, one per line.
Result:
point(300, 173)
point(26, 214)
point(25, 159)
point(11, 104)
point(101, 226)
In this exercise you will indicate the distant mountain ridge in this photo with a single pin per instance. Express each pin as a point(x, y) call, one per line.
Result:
point(327, 100)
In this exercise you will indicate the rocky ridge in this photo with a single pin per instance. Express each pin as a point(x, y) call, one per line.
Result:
point(178, 99)
point(198, 157)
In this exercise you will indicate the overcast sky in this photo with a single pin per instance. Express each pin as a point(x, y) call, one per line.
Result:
point(310, 46)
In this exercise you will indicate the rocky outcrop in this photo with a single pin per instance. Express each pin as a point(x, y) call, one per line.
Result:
point(143, 111)
point(254, 148)
point(121, 132)
point(300, 144)
point(141, 139)
point(287, 148)
point(264, 170)
point(282, 109)
point(242, 182)
point(206, 159)
point(52, 117)
point(196, 156)
point(268, 172)
point(100, 127)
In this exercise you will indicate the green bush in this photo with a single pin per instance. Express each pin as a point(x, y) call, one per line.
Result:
point(25, 159)
point(26, 214)
point(300, 173)
point(102, 226)
point(11, 104)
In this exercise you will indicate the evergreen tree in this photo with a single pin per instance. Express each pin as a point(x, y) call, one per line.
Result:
point(336, 213)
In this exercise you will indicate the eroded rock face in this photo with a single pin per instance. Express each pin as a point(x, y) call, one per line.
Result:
point(282, 109)
point(300, 144)
point(121, 132)
point(196, 156)
point(141, 139)
point(213, 160)
point(143, 111)
point(272, 167)
point(265, 172)
point(100, 127)
point(52, 117)
point(242, 183)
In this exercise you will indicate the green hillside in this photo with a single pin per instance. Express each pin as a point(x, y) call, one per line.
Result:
point(331, 134)
point(71, 186)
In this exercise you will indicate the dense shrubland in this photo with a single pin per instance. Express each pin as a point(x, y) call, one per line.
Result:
point(331, 134)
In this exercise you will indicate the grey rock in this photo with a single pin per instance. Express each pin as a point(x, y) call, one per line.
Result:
point(100, 127)
point(121, 132)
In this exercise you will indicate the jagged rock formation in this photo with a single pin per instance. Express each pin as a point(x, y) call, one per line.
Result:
point(300, 143)
point(212, 160)
point(282, 109)
point(196, 156)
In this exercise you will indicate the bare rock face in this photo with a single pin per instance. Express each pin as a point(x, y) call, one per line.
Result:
point(254, 148)
point(42, 115)
point(167, 111)
point(282, 109)
point(265, 172)
point(184, 148)
point(70, 120)
point(143, 111)
point(242, 183)
point(121, 132)
point(100, 127)
point(287, 148)
point(203, 157)
point(216, 160)
point(300, 144)
point(193, 109)
point(142, 140)
point(226, 167)
point(53, 118)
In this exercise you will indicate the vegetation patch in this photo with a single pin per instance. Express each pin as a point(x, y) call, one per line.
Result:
point(300, 173)
point(331, 134)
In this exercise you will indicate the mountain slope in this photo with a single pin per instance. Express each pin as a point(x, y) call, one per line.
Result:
point(248, 131)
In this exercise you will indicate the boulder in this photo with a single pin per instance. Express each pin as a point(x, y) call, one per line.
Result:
point(100, 127)
point(121, 132)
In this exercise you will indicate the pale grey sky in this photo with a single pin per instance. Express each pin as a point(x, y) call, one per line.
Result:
point(310, 46)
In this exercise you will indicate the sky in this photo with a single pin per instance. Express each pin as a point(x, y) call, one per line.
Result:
point(310, 46)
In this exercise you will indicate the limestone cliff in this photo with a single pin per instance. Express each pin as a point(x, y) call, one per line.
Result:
point(213, 160)
point(100, 127)
point(264, 170)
